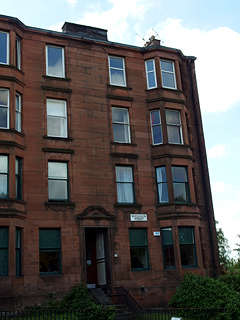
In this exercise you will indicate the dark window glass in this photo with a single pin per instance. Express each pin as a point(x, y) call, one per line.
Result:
point(49, 251)
point(168, 252)
point(180, 184)
point(3, 47)
point(18, 178)
point(18, 256)
point(156, 127)
point(187, 246)
point(3, 251)
point(138, 249)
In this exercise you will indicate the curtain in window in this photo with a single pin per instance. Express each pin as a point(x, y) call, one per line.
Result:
point(124, 177)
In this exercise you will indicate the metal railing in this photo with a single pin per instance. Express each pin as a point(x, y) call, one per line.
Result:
point(184, 314)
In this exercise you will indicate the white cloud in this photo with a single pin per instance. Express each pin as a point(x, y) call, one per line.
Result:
point(219, 186)
point(57, 27)
point(217, 151)
point(218, 74)
point(119, 20)
point(71, 2)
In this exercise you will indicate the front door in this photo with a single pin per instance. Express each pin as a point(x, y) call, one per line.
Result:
point(95, 239)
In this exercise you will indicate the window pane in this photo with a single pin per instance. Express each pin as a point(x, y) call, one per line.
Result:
point(49, 238)
point(151, 80)
point(166, 66)
point(179, 174)
point(172, 117)
point(3, 97)
point(58, 190)
point(138, 258)
point(174, 134)
point(125, 193)
point(56, 108)
point(168, 80)
point(161, 174)
point(57, 170)
point(120, 115)
point(55, 61)
point(162, 192)
point(168, 254)
point(3, 262)
point(186, 235)
point(124, 174)
point(157, 134)
point(116, 63)
point(117, 77)
point(155, 117)
point(150, 65)
point(121, 133)
point(3, 186)
point(3, 47)
point(180, 192)
point(137, 237)
point(49, 262)
point(3, 237)
point(56, 127)
point(167, 238)
point(3, 117)
point(3, 164)
point(187, 253)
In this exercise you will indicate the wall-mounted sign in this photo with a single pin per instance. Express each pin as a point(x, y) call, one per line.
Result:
point(156, 233)
point(138, 217)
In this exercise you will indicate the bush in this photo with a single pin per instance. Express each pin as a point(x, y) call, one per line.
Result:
point(205, 292)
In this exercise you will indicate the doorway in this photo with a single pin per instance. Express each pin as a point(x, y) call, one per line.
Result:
point(97, 257)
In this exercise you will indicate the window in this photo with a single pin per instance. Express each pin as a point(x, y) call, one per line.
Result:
point(138, 249)
point(121, 128)
point(18, 52)
point(167, 244)
point(168, 74)
point(156, 127)
point(187, 246)
point(174, 131)
point(18, 252)
point(56, 118)
point(18, 178)
point(180, 184)
point(49, 251)
point(3, 176)
point(150, 74)
point(117, 71)
point(3, 251)
point(55, 61)
point(162, 184)
point(57, 181)
point(4, 109)
point(125, 185)
point(18, 112)
point(4, 47)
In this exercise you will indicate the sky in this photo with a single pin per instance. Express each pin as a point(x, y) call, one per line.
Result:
point(206, 29)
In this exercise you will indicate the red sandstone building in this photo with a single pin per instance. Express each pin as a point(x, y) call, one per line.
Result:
point(103, 170)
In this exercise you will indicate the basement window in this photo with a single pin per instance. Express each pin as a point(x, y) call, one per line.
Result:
point(138, 249)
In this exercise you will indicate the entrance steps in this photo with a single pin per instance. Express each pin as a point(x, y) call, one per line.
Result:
point(122, 311)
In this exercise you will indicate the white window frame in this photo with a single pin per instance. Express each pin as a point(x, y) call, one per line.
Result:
point(126, 126)
point(18, 52)
point(156, 125)
point(7, 48)
point(64, 179)
point(123, 195)
point(64, 118)
point(4, 172)
point(63, 62)
point(114, 68)
point(7, 107)
point(168, 72)
point(151, 71)
point(18, 111)
point(175, 125)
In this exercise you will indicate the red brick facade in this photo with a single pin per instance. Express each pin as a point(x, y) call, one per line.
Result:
point(69, 183)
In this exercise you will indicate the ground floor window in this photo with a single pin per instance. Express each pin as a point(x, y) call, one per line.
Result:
point(3, 251)
point(187, 246)
point(49, 251)
point(18, 255)
point(138, 249)
point(167, 245)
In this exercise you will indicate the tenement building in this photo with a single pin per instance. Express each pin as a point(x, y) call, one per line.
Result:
point(103, 170)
